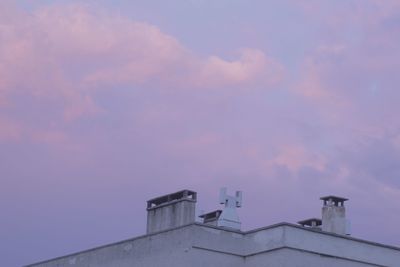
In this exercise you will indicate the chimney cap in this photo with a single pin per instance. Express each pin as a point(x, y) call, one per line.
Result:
point(177, 196)
point(334, 198)
point(312, 222)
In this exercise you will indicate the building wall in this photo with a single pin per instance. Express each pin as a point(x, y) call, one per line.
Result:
point(171, 215)
point(341, 246)
point(168, 248)
point(287, 257)
point(198, 245)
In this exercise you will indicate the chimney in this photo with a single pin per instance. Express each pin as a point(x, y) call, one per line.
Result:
point(169, 211)
point(211, 218)
point(334, 215)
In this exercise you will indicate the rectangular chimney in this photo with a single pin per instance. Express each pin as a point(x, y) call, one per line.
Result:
point(170, 211)
point(334, 215)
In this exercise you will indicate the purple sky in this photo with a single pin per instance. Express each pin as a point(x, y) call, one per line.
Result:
point(105, 104)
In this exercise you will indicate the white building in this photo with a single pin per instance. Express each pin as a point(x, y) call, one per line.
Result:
point(174, 239)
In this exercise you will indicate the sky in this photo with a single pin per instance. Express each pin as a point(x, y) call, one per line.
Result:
point(106, 104)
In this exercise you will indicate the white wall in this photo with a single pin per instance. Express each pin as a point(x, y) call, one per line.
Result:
point(199, 245)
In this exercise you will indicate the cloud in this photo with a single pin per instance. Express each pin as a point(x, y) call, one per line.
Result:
point(349, 79)
point(296, 156)
point(114, 104)
point(67, 52)
point(252, 68)
point(352, 10)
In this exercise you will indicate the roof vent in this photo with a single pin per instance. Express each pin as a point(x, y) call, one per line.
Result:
point(229, 218)
point(211, 218)
point(312, 223)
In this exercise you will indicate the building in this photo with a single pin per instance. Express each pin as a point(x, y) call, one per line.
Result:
point(174, 238)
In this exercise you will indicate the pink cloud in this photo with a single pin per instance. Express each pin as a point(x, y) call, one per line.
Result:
point(296, 156)
point(252, 67)
point(351, 66)
point(66, 52)
point(63, 55)
point(58, 140)
point(12, 130)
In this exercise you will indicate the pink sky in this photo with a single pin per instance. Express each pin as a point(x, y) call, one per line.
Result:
point(105, 105)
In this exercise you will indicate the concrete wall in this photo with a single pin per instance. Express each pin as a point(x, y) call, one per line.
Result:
point(170, 215)
point(287, 257)
point(334, 219)
point(341, 246)
point(168, 248)
point(165, 249)
point(198, 245)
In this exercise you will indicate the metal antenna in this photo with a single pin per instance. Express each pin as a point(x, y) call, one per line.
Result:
point(229, 217)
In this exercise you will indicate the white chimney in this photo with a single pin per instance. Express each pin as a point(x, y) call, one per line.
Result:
point(334, 215)
point(171, 211)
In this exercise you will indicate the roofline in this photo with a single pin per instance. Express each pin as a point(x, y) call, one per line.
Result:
point(281, 224)
point(323, 233)
point(110, 244)
point(177, 192)
point(171, 203)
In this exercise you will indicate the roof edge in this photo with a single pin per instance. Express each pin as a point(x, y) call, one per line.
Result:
point(281, 224)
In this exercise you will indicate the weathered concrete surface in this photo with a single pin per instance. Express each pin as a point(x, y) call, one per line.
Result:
point(283, 245)
point(287, 257)
point(171, 211)
point(170, 216)
point(334, 215)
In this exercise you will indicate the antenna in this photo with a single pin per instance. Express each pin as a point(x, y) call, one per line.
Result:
point(229, 217)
